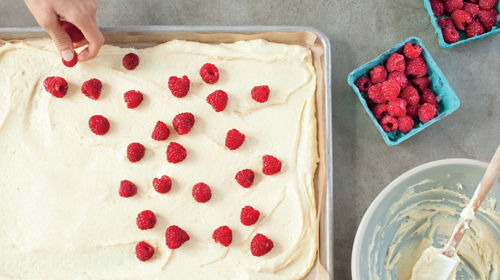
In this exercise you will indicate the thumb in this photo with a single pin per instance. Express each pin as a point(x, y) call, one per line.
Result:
point(62, 41)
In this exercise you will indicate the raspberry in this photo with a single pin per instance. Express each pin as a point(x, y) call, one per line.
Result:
point(201, 192)
point(416, 67)
point(179, 86)
point(445, 22)
point(397, 107)
point(74, 33)
point(428, 96)
point(375, 94)
point(389, 123)
point(92, 88)
point(412, 51)
point(260, 93)
point(390, 89)
point(487, 4)
point(260, 245)
point(175, 237)
point(183, 123)
point(144, 251)
point(363, 84)
point(133, 98)
point(379, 111)
point(472, 9)
point(175, 152)
point(410, 95)
point(437, 7)
point(412, 110)
point(370, 103)
point(488, 18)
point(234, 139)
point(405, 124)
point(209, 73)
point(99, 125)
point(378, 74)
point(451, 5)
point(146, 220)
point(135, 152)
point(72, 62)
point(130, 61)
point(398, 77)
point(245, 177)
point(160, 132)
point(162, 184)
point(56, 86)
point(461, 18)
point(249, 215)
point(127, 189)
point(426, 112)
point(270, 165)
point(474, 29)
point(395, 62)
point(223, 235)
point(421, 82)
point(218, 100)
point(450, 35)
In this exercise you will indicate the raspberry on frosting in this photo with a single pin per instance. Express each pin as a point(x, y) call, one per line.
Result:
point(234, 139)
point(92, 88)
point(218, 100)
point(175, 237)
point(223, 235)
point(183, 123)
point(260, 93)
point(245, 178)
point(146, 220)
point(135, 152)
point(144, 251)
point(72, 62)
point(209, 73)
point(162, 184)
point(201, 192)
point(160, 132)
point(249, 215)
point(99, 125)
point(130, 61)
point(179, 87)
point(133, 98)
point(127, 189)
point(270, 165)
point(175, 152)
point(260, 245)
point(56, 86)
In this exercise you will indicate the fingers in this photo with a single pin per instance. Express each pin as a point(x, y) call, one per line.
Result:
point(95, 41)
point(50, 23)
point(80, 44)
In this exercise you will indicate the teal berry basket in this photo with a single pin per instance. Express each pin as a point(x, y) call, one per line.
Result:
point(448, 101)
point(463, 39)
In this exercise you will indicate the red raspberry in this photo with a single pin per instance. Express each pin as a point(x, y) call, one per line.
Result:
point(416, 67)
point(234, 139)
point(412, 51)
point(428, 96)
point(146, 220)
point(378, 74)
point(127, 189)
point(223, 235)
point(160, 132)
point(390, 89)
point(395, 62)
point(427, 112)
point(488, 18)
point(487, 4)
point(412, 110)
point(421, 82)
point(260, 93)
point(398, 77)
point(389, 123)
point(130, 61)
point(209, 73)
point(445, 22)
point(370, 103)
point(135, 152)
point(379, 111)
point(92, 88)
point(363, 84)
point(201, 192)
point(437, 7)
point(450, 35)
point(144, 251)
point(72, 62)
point(74, 33)
point(397, 107)
point(375, 94)
point(410, 95)
point(179, 86)
point(162, 184)
point(175, 237)
point(99, 125)
point(472, 9)
point(183, 123)
point(461, 18)
point(270, 165)
point(218, 100)
point(474, 29)
point(451, 5)
point(260, 245)
point(175, 152)
point(133, 98)
point(405, 124)
point(245, 177)
point(249, 215)
point(56, 86)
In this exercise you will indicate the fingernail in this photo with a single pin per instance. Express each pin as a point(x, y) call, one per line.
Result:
point(67, 55)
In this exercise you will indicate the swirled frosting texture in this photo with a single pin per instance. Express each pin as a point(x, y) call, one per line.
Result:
point(61, 214)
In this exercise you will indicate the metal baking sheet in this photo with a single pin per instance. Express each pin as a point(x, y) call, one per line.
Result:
point(146, 36)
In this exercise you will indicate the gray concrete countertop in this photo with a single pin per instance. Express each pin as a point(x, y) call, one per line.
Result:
point(359, 31)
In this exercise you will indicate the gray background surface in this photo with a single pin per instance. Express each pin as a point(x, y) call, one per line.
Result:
point(359, 31)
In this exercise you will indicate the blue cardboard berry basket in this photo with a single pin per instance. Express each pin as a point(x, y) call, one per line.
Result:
point(446, 96)
point(463, 39)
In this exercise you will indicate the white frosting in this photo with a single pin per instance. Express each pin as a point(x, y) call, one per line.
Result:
point(62, 217)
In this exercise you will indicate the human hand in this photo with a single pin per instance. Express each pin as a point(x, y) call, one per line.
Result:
point(82, 13)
